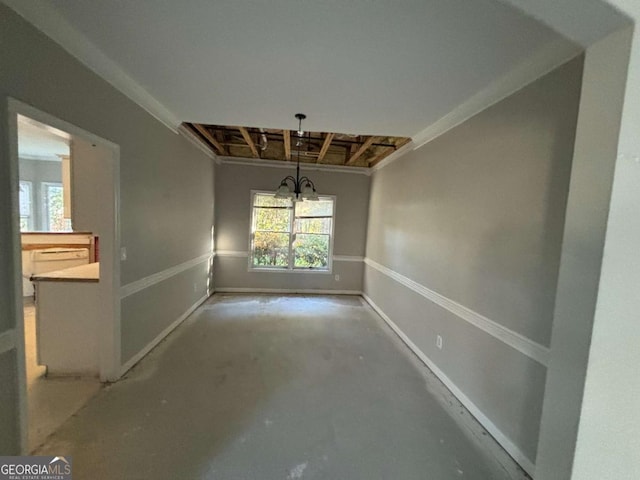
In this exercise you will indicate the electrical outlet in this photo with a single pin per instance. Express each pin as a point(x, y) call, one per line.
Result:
point(337, 278)
point(195, 287)
point(123, 253)
point(439, 342)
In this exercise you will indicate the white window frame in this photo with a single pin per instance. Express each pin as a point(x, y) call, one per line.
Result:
point(31, 217)
point(291, 268)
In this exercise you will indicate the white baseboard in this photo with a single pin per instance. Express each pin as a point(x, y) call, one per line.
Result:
point(500, 437)
point(142, 353)
point(286, 290)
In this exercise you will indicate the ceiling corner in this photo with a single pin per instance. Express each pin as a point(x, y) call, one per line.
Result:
point(46, 19)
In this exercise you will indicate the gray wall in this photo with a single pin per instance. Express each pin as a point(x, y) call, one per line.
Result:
point(233, 215)
point(477, 216)
point(166, 183)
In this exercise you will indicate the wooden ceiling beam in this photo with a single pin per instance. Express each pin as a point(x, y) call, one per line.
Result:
point(286, 139)
point(206, 134)
point(325, 146)
point(219, 135)
point(386, 152)
point(363, 148)
point(249, 140)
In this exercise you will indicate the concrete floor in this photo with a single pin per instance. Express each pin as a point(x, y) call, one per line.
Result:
point(51, 401)
point(272, 387)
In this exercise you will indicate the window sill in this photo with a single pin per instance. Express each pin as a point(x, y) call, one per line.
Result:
point(286, 270)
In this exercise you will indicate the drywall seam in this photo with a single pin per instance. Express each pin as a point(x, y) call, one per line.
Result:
point(7, 341)
point(146, 282)
point(500, 437)
point(291, 165)
point(142, 353)
point(533, 350)
point(46, 19)
point(310, 291)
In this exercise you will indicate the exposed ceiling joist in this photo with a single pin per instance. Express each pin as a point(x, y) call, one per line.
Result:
point(361, 150)
point(286, 135)
point(205, 133)
point(325, 146)
point(385, 152)
point(249, 140)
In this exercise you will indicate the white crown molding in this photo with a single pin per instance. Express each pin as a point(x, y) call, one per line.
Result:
point(524, 345)
point(253, 162)
point(47, 19)
point(495, 432)
point(547, 59)
point(196, 142)
point(146, 282)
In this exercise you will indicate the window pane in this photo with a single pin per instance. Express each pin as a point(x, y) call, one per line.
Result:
point(54, 208)
point(270, 249)
point(311, 251)
point(271, 219)
point(323, 207)
point(313, 225)
point(268, 200)
point(25, 199)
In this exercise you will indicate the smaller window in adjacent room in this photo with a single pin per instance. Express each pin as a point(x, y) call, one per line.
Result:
point(26, 206)
point(53, 208)
point(288, 235)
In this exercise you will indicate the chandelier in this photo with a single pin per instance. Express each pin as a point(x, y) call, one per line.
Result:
point(297, 189)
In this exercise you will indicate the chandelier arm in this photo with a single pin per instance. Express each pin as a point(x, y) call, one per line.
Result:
point(308, 180)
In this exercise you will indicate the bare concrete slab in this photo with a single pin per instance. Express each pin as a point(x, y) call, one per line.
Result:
point(279, 387)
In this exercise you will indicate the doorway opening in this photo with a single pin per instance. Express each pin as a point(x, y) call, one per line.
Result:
point(67, 184)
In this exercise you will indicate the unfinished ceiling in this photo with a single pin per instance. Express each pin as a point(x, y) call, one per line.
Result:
point(283, 145)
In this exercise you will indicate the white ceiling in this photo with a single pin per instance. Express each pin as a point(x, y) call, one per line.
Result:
point(362, 66)
point(37, 141)
point(583, 21)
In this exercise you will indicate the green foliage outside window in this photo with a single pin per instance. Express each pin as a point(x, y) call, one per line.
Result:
point(305, 226)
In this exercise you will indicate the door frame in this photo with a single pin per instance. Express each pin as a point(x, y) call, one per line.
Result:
point(108, 333)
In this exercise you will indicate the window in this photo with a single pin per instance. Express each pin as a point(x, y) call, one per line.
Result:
point(53, 208)
point(291, 236)
point(26, 206)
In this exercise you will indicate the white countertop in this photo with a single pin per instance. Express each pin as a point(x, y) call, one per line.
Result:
point(82, 273)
